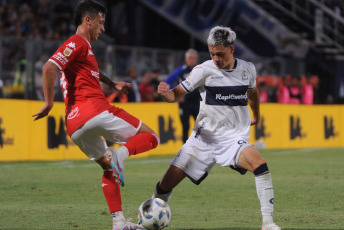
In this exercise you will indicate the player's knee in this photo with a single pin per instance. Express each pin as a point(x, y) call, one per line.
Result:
point(261, 170)
point(155, 140)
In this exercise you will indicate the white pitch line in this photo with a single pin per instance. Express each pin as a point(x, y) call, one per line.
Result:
point(71, 164)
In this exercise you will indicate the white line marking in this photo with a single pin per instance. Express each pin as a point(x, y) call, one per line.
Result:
point(71, 164)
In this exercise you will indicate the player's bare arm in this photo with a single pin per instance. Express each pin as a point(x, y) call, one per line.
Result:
point(172, 95)
point(253, 100)
point(49, 76)
point(119, 86)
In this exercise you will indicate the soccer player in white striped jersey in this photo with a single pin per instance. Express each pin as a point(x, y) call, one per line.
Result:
point(227, 86)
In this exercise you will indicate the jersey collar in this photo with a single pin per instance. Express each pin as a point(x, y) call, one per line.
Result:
point(86, 40)
point(234, 67)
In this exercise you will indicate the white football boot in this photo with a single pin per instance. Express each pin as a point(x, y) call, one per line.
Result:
point(126, 225)
point(270, 227)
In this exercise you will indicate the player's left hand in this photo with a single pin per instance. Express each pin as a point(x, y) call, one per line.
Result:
point(122, 86)
point(254, 121)
point(44, 111)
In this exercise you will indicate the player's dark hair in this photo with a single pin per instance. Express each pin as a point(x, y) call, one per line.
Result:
point(221, 35)
point(90, 7)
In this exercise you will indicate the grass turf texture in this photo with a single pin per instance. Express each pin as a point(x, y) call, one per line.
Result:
point(309, 193)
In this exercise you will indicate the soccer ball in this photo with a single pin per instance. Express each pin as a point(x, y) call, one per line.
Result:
point(154, 214)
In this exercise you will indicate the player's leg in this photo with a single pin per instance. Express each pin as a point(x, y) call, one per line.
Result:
point(145, 140)
point(121, 127)
point(94, 147)
point(112, 193)
point(252, 160)
point(169, 181)
point(187, 163)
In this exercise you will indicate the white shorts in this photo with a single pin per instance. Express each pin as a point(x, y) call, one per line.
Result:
point(90, 139)
point(196, 157)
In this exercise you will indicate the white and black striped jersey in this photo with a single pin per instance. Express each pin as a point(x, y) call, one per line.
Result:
point(224, 113)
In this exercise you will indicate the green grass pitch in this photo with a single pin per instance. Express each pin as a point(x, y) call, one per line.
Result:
point(308, 183)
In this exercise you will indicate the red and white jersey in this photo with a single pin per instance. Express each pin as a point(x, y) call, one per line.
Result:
point(79, 79)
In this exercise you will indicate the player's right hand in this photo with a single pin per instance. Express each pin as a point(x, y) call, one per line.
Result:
point(163, 88)
point(44, 111)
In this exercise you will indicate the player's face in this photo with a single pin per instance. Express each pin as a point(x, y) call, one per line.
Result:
point(97, 26)
point(221, 55)
point(191, 59)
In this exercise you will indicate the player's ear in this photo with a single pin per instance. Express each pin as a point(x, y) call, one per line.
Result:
point(232, 47)
point(87, 19)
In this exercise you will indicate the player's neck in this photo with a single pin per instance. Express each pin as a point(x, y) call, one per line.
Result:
point(83, 33)
point(232, 64)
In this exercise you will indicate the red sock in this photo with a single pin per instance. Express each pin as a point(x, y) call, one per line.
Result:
point(142, 142)
point(111, 192)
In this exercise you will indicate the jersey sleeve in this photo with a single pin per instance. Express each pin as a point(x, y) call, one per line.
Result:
point(194, 80)
point(253, 77)
point(67, 53)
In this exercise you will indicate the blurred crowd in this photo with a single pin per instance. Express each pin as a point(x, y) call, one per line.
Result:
point(45, 19)
point(144, 90)
point(289, 89)
point(53, 20)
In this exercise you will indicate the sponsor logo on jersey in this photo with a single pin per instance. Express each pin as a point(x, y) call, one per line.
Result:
point(90, 52)
point(95, 73)
point(226, 95)
point(61, 58)
point(73, 113)
point(71, 45)
point(231, 97)
point(67, 52)
point(244, 75)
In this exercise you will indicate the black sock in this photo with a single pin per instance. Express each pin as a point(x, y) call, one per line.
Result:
point(160, 191)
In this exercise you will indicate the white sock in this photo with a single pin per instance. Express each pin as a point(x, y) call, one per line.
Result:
point(122, 154)
point(118, 218)
point(123, 151)
point(265, 194)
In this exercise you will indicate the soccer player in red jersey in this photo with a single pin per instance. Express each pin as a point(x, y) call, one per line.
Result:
point(89, 116)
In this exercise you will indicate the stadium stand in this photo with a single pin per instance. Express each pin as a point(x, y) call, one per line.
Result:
point(31, 30)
